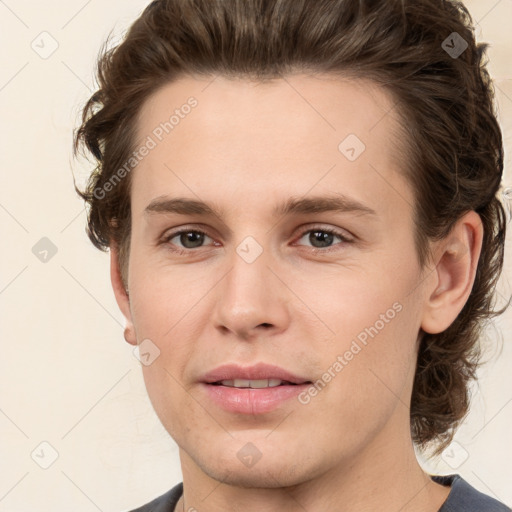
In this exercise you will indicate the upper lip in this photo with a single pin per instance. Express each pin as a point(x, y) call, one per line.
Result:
point(259, 371)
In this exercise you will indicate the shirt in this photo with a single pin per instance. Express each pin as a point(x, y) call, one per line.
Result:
point(463, 497)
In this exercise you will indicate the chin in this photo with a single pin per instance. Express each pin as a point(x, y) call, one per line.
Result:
point(272, 472)
point(264, 477)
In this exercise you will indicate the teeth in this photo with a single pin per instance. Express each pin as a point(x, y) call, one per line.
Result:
point(255, 384)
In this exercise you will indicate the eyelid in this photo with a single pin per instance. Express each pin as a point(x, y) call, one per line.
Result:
point(169, 235)
point(342, 233)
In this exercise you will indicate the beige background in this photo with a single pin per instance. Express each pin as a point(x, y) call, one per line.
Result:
point(67, 376)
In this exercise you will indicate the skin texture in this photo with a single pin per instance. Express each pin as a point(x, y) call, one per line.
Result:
point(245, 148)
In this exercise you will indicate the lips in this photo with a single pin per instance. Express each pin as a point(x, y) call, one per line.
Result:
point(260, 371)
point(256, 389)
point(253, 384)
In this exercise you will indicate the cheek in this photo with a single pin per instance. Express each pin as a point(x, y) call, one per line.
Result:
point(374, 321)
point(162, 314)
point(349, 301)
point(367, 379)
point(163, 296)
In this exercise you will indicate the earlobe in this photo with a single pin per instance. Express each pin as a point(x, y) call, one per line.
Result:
point(121, 294)
point(454, 274)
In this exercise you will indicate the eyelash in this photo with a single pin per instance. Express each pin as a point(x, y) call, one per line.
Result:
point(180, 251)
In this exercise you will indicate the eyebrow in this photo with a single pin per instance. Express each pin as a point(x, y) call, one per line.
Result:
point(306, 205)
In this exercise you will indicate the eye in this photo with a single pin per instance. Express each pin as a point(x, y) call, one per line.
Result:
point(189, 238)
point(322, 238)
point(186, 240)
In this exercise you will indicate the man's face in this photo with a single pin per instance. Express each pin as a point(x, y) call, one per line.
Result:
point(341, 309)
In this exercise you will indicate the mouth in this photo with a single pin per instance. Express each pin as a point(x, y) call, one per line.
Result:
point(252, 390)
point(260, 375)
point(255, 383)
point(253, 397)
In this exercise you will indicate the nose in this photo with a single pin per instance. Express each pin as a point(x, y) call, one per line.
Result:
point(252, 301)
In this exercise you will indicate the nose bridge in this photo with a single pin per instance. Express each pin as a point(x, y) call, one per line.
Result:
point(250, 294)
point(248, 278)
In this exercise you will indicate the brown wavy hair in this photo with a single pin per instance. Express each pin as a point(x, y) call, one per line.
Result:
point(452, 140)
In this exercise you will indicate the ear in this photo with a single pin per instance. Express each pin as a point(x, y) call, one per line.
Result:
point(453, 277)
point(121, 294)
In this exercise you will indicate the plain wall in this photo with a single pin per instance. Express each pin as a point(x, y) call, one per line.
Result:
point(67, 376)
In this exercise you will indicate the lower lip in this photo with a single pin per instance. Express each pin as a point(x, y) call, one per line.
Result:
point(251, 400)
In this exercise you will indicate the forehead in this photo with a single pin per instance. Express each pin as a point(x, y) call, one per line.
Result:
point(250, 142)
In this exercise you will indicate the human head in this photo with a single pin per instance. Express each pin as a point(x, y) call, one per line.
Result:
point(449, 136)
